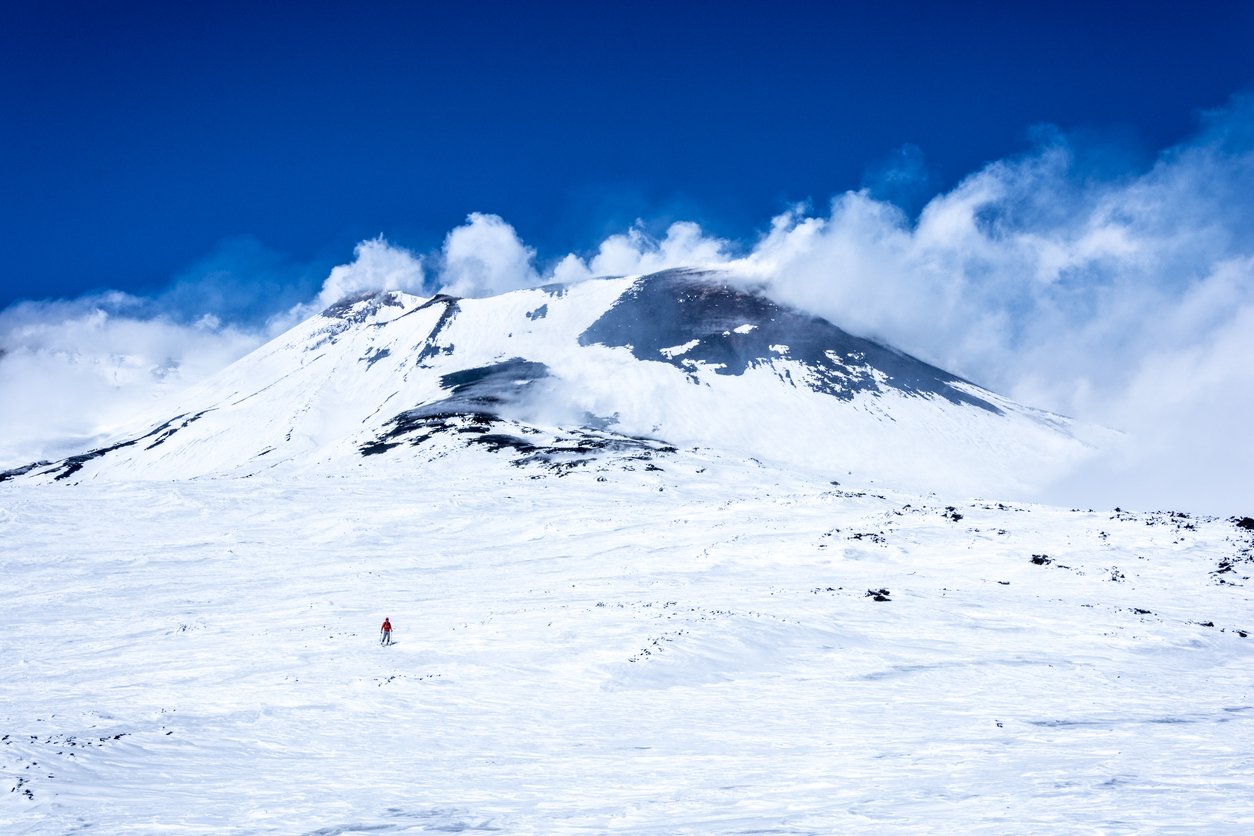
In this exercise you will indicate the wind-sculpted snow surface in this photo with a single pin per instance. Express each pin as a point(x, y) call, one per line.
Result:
point(678, 359)
point(709, 647)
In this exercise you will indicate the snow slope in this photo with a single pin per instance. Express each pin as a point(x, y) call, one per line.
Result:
point(683, 650)
point(680, 359)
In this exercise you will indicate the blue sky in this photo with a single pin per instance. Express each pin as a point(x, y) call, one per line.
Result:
point(144, 138)
point(1055, 202)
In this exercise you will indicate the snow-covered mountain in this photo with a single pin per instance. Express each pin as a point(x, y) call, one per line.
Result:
point(673, 637)
point(590, 374)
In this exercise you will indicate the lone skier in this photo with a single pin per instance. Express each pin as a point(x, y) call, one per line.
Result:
point(385, 632)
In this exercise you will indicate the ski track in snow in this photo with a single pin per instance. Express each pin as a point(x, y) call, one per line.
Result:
point(674, 652)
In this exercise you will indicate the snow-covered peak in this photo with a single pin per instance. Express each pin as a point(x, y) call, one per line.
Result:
point(617, 370)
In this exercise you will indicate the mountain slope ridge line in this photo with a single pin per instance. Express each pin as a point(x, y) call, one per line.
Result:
point(682, 358)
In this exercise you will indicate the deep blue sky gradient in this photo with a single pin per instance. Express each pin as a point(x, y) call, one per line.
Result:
point(142, 142)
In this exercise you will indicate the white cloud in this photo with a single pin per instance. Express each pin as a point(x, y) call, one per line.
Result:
point(636, 252)
point(376, 265)
point(1186, 410)
point(73, 372)
point(1125, 300)
point(484, 257)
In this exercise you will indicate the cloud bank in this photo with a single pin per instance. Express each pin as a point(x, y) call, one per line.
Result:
point(75, 371)
point(1119, 294)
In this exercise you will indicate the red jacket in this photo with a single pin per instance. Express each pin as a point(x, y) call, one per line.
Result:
point(387, 626)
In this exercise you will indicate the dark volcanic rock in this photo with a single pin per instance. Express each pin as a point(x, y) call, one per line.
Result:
point(486, 388)
point(67, 467)
point(675, 308)
point(361, 306)
point(431, 348)
point(6, 475)
point(472, 411)
point(472, 406)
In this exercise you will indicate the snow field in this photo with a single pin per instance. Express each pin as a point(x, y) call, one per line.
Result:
point(663, 652)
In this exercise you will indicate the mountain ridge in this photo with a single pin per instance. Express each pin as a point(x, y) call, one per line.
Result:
point(677, 359)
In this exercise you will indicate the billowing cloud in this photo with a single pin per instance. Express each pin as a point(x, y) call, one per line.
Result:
point(684, 245)
point(1185, 411)
point(376, 265)
point(1121, 299)
point(1025, 269)
point(485, 257)
point(74, 372)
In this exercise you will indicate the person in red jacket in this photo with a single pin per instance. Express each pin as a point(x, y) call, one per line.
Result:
point(385, 632)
